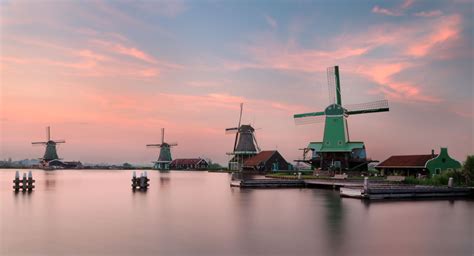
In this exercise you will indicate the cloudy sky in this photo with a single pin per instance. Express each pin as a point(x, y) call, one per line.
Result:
point(107, 75)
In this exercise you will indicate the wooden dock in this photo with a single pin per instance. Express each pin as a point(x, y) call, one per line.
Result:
point(404, 191)
point(268, 183)
point(363, 189)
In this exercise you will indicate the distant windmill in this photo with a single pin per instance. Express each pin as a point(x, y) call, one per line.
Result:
point(245, 143)
point(164, 159)
point(336, 151)
point(50, 152)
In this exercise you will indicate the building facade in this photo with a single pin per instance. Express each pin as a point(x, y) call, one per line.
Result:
point(189, 164)
point(264, 162)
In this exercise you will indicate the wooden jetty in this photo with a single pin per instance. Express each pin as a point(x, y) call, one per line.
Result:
point(140, 183)
point(25, 184)
point(268, 183)
point(386, 191)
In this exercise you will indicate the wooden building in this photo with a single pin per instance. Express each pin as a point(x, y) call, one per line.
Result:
point(412, 165)
point(189, 163)
point(265, 161)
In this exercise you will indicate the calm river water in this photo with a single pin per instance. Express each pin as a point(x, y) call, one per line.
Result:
point(197, 213)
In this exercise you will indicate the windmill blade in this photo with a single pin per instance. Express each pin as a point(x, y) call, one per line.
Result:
point(309, 118)
point(256, 143)
point(59, 141)
point(231, 130)
point(173, 144)
point(369, 107)
point(331, 74)
point(153, 145)
point(48, 133)
point(236, 138)
point(162, 135)
point(39, 143)
point(240, 116)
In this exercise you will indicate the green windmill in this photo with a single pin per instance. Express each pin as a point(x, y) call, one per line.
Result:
point(164, 159)
point(337, 151)
point(50, 153)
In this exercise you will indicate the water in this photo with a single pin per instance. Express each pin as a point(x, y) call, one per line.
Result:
point(197, 213)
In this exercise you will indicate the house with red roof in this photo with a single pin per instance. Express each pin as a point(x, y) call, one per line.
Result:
point(265, 161)
point(412, 165)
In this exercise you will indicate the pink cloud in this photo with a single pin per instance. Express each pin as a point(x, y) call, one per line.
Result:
point(447, 29)
point(128, 51)
point(393, 89)
point(434, 13)
point(271, 21)
point(407, 4)
point(396, 11)
point(384, 11)
point(407, 44)
point(92, 58)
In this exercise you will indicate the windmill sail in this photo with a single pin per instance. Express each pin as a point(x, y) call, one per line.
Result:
point(369, 107)
point(330, 72)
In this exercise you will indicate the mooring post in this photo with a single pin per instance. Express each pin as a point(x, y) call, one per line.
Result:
point(16, 181)
point(450, 182)
point(24, 182)
point(142, 180)
point(146, 180)
point(366, 184)
point(30, 181)
point(134, 180)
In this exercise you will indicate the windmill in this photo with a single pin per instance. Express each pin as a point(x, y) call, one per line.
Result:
point(245, 143)
point(50, 153)
point(164, 159)
point(337, 151)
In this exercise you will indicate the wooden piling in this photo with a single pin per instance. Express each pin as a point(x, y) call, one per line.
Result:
point(140, 183)
point(25, 184)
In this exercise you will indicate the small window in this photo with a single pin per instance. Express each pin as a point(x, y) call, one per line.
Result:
point(443, 160)
point(438, 170)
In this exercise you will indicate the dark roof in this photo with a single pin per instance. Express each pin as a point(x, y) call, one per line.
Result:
point(417, 161)
point(187, 161)
point(263, 156)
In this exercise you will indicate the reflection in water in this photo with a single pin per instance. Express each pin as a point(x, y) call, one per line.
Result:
point(164, 181)
point(198, 213)
point(334, 222)
point(50, 179)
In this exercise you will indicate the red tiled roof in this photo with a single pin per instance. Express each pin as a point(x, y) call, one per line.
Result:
point(186, 161)
point(263, 156)
point(417, 161)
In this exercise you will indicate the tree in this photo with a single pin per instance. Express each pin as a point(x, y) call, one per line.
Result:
point(468, 169)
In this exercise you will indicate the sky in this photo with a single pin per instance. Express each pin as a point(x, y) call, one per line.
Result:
point(107, 75)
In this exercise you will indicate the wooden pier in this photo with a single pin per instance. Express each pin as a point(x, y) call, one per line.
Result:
point(25, 184)
point(385, 191)
point(268, 183)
